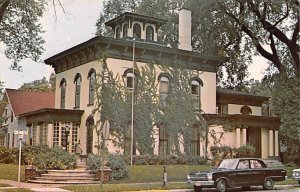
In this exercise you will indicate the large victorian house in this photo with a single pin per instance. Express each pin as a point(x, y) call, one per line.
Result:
point(76, 70)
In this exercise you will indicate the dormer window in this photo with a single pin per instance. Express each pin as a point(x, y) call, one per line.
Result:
point(125, 30)
point(149, 33)
point(118, 33)
point(137, 31)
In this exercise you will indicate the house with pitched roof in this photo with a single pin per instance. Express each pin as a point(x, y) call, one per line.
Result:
point(135, 41)
point(16, 103)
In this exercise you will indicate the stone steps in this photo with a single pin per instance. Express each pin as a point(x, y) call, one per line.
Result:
point(273, 163)
point(66, 177)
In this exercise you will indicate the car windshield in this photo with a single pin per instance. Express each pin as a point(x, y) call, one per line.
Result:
point(228, 164)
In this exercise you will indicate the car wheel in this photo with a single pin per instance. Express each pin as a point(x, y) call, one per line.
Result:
point(268, 184)
point(197, 188)
point(299, 182)
point(221, 185)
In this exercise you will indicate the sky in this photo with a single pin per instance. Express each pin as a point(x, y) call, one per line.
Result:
point(66, 30)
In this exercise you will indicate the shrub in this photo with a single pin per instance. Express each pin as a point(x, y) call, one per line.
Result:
point(8, 155)
point(118, 167)
point(48, 158)
point(245, 151)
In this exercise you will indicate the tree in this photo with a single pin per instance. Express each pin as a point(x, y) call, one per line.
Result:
point(20, 29)
point(42, 85)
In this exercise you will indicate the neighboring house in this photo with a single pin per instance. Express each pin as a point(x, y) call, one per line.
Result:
point(16, 103)
point(76, 70)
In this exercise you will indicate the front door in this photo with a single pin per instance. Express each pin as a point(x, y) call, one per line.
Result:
point(89, 135)
point(254, 139)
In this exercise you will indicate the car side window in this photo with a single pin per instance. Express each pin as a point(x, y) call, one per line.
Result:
point(255, 164)
point(243, 164)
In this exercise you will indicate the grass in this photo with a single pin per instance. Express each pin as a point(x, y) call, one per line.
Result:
point(127, 187)
point(10, 172)
point(149, 177)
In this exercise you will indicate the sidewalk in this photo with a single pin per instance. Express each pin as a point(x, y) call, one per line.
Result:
point(33, 186)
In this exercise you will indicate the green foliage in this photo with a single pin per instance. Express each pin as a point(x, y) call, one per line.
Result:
point(166, 160)
point(226, 152)
point(178, 117)
point(20, 30)
point(42, 85)
point(286, 102)
point(118, 167)
point(245, 151)
point(8, 155)
point(116, 163)
point(48, 158)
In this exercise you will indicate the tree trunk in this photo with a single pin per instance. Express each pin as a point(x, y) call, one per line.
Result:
point(3, 6)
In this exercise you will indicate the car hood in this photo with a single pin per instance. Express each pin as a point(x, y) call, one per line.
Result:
point(208, 171)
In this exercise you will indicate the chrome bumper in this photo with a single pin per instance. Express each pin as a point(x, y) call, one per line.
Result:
point(202, 183)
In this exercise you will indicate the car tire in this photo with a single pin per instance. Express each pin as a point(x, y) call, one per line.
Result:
point(197, 188)
point(221, 185)
point(268, 184)
point(299, 182)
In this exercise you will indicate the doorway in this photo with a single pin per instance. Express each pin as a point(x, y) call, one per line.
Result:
point(89, 135)
point(254, 139)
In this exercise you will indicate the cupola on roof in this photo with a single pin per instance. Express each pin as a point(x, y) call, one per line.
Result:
point(132, 25)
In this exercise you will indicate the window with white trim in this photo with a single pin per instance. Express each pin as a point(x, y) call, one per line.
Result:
point(77, 90)
point(163, 90)
point(195, 91)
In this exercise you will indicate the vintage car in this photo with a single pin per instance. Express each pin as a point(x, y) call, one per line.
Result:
point(296, 175)
point(242, 172)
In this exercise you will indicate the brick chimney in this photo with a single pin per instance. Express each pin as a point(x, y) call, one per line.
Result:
point(185, 28)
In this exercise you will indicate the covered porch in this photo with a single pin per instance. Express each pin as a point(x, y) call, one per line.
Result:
point(54, 127)
point(260, 132)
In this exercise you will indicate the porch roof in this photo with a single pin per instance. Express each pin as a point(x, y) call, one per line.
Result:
point(51, 114)
point(241, 121)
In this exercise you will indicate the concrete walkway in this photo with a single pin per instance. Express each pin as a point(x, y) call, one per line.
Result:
point(33, 186)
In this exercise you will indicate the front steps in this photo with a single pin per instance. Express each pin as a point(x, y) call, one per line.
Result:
point(80, 175)
point(66, 177)
point(273, 163)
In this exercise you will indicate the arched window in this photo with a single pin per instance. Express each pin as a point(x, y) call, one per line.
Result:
point(149, 33)
point(118, 32)
point(246, 110)
point(89, 136)
point(196, 84)
point(92, 84)
point(129, 80)
point(77, 82)
point(163, 90)
point(125, 30)
point(63, 85)
point(137, 31)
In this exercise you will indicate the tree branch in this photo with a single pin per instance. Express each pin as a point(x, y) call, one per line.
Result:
point(3, 5)
point(285, 16)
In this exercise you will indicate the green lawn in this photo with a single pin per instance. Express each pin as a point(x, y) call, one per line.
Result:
point(10, 172)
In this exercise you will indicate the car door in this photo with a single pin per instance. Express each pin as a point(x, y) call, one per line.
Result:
point(243, 173)
point(258, 171)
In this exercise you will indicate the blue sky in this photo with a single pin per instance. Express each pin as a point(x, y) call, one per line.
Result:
point(68, 29)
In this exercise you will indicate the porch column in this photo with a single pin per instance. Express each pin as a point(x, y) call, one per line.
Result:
point(38, 133)
point(238, 137)
point(50, 135)
point(244, 141)
point(271, 143)
point(276, 144)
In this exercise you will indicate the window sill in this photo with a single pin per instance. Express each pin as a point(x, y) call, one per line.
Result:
point(75, 107)
point(90, 104)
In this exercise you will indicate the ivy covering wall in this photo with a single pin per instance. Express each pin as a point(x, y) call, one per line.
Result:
point(178, 117)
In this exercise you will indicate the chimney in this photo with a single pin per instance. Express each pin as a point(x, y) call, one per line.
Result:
point(185, 28)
